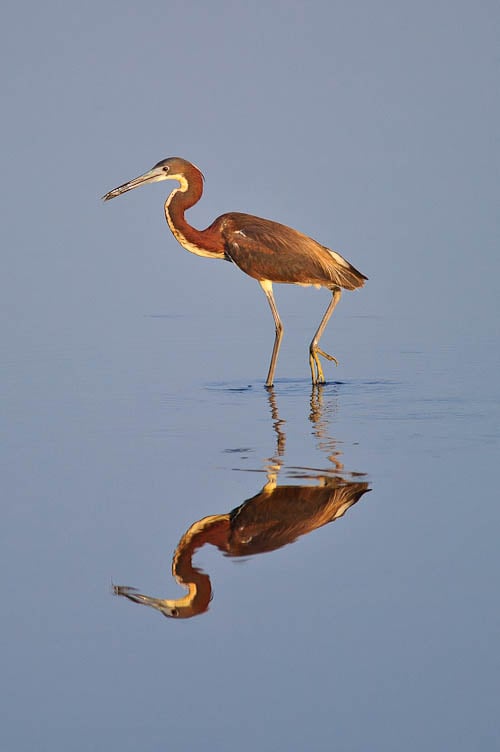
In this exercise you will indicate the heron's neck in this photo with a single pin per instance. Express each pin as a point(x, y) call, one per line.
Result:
point(201, 242)
point(213, 530)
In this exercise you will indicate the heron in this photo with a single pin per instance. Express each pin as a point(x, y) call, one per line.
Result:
point(273, 518)
point(265, 250)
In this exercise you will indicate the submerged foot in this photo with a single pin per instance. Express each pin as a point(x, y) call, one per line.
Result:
point(318, 376)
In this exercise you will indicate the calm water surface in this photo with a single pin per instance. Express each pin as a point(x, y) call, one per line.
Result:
point(323, 616)
point(335, 551)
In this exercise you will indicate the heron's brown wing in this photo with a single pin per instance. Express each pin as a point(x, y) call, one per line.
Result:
point(267, 250)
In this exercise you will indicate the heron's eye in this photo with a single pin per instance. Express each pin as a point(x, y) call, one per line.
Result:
point(165, 169)
point(174, 611)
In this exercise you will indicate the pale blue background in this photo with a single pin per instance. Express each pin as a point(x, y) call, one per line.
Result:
point(373, 127)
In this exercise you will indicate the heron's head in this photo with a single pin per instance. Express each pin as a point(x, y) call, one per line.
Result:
point(173, 168)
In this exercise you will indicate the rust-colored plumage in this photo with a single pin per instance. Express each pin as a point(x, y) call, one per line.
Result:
point(274, 518)
point(265, 250)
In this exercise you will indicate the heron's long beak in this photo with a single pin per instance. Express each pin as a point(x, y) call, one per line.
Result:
point(170, 608)
point(152, 176)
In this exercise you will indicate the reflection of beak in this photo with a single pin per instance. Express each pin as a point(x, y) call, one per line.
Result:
point(133, 595)
point(130, 592)
point(153, 176)
point(166, 607)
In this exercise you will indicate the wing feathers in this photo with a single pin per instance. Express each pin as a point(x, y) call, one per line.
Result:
point(268, 250)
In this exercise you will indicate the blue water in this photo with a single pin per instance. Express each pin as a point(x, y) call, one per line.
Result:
point(375, 631)
point(132, 398)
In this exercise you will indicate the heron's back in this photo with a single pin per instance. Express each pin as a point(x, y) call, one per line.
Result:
point(267, 250)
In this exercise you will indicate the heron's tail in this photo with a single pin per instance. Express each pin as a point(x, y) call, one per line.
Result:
point(343, 273)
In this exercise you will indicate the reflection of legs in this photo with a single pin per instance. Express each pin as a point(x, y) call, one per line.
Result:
point(268, 289)
point(314, 351)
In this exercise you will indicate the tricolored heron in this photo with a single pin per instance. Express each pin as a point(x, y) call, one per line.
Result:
point(273, 518)
point(265, 250)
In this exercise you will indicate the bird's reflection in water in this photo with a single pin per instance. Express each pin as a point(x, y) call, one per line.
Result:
point(274, 517)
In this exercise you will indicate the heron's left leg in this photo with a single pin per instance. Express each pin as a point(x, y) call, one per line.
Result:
point(268, 290)
point(314, 351)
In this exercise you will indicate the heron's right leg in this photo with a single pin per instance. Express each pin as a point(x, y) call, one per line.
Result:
point(268, 289)
point(314, 351)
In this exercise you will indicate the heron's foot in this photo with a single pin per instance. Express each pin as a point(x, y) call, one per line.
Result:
point(318, 376)
point(328, 357)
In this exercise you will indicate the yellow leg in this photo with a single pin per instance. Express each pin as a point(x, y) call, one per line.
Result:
point(268, 289)
point(317, 374)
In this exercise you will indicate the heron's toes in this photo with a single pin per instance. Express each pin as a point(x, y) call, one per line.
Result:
point(318, 376)
point(316, 369)
point(328, 357)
